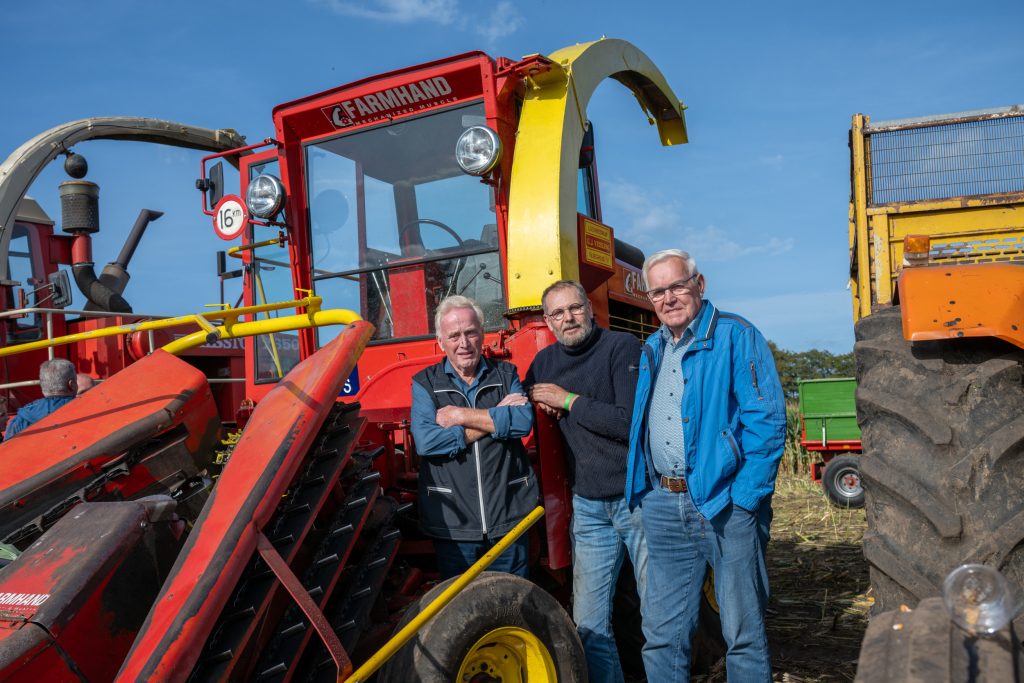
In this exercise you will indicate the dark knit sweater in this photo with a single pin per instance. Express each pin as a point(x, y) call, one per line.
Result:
point(603, 372)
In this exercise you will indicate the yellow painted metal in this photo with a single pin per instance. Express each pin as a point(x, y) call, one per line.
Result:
point(880, 241)
point(269, 326)
point(377, 660)
point(860, 241)
point(963, 230)
point(237, 251)
point(229, 316)
point(709, 590)
point(542, 239)
point(510, 654)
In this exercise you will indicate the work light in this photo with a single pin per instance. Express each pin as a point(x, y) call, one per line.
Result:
point(978, 598)
point(265, 196)
point(478, 150)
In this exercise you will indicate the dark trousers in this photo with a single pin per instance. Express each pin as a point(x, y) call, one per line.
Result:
point(455, 557)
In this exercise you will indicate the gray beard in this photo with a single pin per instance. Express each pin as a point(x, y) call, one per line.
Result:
point(586, 328)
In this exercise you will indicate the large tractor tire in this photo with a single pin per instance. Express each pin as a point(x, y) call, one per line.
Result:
point(923, 646)
point(500, 627)
point(943, 463)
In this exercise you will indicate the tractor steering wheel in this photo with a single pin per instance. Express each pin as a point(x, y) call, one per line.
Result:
point(429, 221)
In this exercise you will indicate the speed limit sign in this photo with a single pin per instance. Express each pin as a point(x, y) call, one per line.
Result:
point(230, 217)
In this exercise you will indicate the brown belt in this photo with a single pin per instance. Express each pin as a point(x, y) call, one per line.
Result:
point(674, 484)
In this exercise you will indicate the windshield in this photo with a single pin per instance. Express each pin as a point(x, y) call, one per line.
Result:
point(397, 226)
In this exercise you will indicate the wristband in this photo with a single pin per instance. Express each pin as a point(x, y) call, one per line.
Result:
point(568, 400)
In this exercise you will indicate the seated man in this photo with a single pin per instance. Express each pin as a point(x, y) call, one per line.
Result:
point(59, 384)
point(468, 414)
point(85, 383)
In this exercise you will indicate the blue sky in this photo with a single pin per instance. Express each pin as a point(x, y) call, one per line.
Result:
point(759, 195)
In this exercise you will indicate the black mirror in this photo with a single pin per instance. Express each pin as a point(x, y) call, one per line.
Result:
point(216, 191)
point(60, 289)
point(587, 148)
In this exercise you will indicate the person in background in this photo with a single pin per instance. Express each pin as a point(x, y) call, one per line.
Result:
point(587, 381)
point(709, 424)
point(59, 384)
point(468, 415)
point(85, 383)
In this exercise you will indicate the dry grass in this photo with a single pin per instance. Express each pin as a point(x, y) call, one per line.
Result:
point(818, 610)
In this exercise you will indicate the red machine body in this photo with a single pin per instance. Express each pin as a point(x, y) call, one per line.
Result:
point(281, 551)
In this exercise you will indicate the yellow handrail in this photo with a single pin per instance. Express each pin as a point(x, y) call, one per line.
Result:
point(230, 317)
point(409, 630)
point(337, 316)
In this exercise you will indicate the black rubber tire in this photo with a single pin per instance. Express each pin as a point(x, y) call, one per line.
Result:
point(839, 490)
point(943, 461)
point(923, 645)
point(493, 600)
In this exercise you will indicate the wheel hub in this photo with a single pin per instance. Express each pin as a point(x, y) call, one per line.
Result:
point(507, 655)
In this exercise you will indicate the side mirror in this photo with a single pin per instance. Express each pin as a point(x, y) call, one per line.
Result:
point(216, 191)
point(60, 289)
point(587, 147)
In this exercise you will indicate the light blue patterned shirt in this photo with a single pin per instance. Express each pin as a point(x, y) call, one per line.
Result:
point(665, 419)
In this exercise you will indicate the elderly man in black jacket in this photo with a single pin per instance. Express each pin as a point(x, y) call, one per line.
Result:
point(468, 415)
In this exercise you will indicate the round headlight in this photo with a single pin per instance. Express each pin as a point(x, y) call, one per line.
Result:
point(265, 196)
point(478, 150)
point(978, 598)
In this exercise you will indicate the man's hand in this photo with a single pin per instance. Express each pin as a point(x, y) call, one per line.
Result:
point(549, 397)
point(513, 400)
point(449, 416)
point(455, 416)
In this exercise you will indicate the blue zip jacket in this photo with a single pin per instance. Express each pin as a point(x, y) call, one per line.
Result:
point(734, 416)
point(33, 412)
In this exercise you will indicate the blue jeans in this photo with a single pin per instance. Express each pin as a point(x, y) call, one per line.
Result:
point(681, 543)
point(455, 557)
point(602, 531)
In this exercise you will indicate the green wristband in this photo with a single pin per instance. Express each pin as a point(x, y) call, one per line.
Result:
point(568, 400)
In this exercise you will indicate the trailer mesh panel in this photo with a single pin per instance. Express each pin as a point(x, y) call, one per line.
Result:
point(947, 160)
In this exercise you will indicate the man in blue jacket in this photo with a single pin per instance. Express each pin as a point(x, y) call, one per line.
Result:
point(708, 428)
point(58, 383)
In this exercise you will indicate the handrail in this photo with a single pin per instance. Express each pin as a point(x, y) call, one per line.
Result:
point(231, 326)
point(377, 660)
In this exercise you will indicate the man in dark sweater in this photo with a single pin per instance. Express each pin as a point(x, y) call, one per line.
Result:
point(587, 381)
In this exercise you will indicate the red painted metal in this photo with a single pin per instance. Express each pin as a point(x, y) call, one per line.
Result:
point(312, 611)
point(78, 442)
point(75, 599)
point(263, 465)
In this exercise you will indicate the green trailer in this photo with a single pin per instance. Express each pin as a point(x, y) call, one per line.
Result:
point(828, 425)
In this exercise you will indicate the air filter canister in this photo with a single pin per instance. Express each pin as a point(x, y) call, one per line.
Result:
point(79, 206)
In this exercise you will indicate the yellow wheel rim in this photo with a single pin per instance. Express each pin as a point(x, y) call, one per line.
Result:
point(509, 654)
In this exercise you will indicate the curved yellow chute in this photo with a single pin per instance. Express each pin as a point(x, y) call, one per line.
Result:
point(542, 243)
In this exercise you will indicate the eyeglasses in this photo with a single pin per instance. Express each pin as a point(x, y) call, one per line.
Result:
point(573, 310)
point(677, 288)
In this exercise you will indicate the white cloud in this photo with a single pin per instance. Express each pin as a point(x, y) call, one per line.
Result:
point(443, 12)
point(656, 223)
point(504, 20)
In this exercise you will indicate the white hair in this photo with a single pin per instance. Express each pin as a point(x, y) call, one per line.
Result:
point(665, 254)
point(57, 377)
point(449, 304)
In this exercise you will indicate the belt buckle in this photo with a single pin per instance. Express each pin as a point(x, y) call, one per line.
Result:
point(674, 484)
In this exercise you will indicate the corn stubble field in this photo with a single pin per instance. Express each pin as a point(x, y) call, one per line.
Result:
point(819, 604)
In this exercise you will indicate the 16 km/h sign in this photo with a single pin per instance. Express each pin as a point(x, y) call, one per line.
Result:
point(230, 217)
